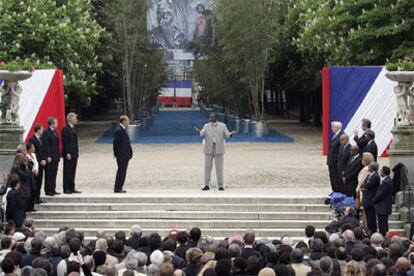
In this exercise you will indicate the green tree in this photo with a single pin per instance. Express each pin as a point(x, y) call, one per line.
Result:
point(49, 33)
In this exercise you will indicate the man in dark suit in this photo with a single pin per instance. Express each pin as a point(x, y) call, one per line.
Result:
point(249, 242)
point(352, 169)
point(371, 145)
point(333, 152)
point(36, 140)
point(383, 200)
point(343, 158)
point(361, 141)
point(122, 152)
point(50, 141)
point(369, 189)
point(15, 207)
point(70, 153)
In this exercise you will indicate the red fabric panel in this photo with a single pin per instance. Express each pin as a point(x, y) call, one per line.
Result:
point(181, 101)
point(53, 105)
point(325, 109)
point(385, 153)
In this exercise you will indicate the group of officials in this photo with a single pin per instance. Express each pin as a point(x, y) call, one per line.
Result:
point(354, 171)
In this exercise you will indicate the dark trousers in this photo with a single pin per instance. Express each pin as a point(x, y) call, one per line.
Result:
point(120, 174)
point(371, 218)
point(39, 180)
point(383, 224)
point(27, 204)
point(69, 172)
point(51, 170)
point(333, 178)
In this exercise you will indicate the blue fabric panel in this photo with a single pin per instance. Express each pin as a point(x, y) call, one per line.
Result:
point(348, 87)
point(178, 84)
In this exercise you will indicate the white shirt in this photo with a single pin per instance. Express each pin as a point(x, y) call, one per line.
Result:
point(214, 125)
point(122, 126)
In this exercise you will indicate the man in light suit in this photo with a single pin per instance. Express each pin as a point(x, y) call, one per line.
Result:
point(214, 134)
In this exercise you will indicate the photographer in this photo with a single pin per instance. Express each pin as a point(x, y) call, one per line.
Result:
point(345, 220)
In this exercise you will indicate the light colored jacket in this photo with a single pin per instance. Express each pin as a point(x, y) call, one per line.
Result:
point(363, 174)
point(214, 133)
point(300, 269)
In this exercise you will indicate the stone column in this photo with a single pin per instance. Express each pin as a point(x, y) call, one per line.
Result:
point(11, 132)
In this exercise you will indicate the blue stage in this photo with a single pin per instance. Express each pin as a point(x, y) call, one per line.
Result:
point(175, 127)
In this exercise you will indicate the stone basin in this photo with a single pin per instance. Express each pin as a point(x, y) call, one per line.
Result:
point(401, 76)
point(14, 75)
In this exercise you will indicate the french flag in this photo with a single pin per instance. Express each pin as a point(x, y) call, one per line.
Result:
point(182, 91)
point(352, 93)
point(42, 97)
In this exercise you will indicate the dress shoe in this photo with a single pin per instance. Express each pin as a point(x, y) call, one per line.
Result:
point(120, 192)
point(67, 192)
point(206, 188)
point(39, 201)
point(32, 211)
point(56, 193)
point(221, 189)
point(50, 194)
point(76, 192)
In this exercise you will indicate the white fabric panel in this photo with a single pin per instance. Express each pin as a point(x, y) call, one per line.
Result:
point(34, 91)
point(379, 106)
point(179, 92)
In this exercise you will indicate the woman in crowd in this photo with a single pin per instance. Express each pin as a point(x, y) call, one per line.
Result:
point(25, 175)
point(15, 207)
point(367, 158)
point(33, 165)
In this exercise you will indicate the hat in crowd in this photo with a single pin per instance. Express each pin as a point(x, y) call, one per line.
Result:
point(237, 238)
point(193, 255)
point(172, 234)
point(18, 236)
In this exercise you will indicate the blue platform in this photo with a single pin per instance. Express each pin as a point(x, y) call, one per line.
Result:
point(175, 127)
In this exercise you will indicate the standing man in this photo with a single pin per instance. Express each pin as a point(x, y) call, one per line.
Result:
point(351, 172)
point(362, 141)
point(122, 152)
point(343, 158)
point(371, 145)
point(50, 141)
point(70, 153)
point(383, 200)
point(333, 152)
point(214, 134)
point(36, 140)
point(369, 189)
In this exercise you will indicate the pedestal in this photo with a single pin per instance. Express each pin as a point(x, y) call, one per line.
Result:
point(402, 149)
point(10, 137)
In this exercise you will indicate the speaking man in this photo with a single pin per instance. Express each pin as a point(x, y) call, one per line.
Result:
point(214, 134)
point(70, 153)
point(122, 152)
point(50, 141)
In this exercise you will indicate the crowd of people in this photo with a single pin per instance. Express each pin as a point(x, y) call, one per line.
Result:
point(37, 160)
point(347, 251)
point(354, 171)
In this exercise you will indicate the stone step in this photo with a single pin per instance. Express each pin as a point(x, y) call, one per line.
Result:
point(216, 232)
point(186, 215)
point(210, 199)
point(231, 207)
point(183, 223)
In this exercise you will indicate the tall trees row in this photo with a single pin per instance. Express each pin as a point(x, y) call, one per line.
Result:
point(287, 42)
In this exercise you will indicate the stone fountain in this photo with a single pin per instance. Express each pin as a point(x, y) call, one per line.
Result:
point(11, 132)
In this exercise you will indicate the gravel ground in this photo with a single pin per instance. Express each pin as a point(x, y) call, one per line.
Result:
point(270, 168)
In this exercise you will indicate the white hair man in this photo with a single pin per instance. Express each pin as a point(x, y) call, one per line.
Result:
point(70, 153)
point(333, 152)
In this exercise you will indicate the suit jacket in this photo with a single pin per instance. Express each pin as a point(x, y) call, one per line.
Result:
point(333, 151)
point(372, 148)
point(38, 144)
point(50, 141)
point(247, 252)
point(343, 157)
point(370, 187)
point(70, 142)
point(214, 134)
point(15, 207)
point(383, 197)
point(352, 170)
point(122, 144)
point(361, 142)
point(26, 180)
